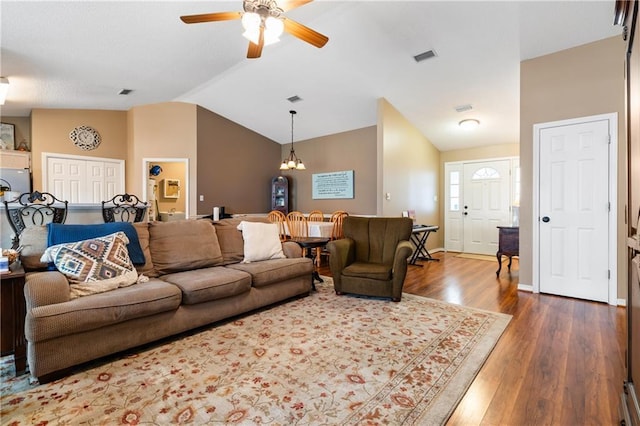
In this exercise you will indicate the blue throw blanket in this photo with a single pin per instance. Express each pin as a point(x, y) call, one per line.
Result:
point(60, 234)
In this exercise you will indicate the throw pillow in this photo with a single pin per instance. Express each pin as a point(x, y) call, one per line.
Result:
point(261, 241)
point(61, 233)
point(94, 266)
point(33, 241)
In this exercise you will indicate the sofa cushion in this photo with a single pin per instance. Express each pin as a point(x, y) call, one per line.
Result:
point(275, 270)
point(142, 229)
point(203, 285)
point(230, 238)
point(261, 241)
point(183, 245)
point(95, 265)
point(33, 240)
point(375, 271)
point(99, 310)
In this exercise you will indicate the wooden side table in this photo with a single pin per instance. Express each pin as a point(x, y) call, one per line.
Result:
point(12, 340)
point(508, 245)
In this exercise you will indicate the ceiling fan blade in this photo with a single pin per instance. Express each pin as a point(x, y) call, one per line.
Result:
point(255, 50)
point(292, 4)
point(305, 33)
point(211, 17)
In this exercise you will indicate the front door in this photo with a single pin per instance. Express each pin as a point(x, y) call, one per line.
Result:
point(485, 206)
point(574, 210)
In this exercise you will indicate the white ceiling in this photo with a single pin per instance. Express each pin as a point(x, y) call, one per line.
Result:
point(72, 54)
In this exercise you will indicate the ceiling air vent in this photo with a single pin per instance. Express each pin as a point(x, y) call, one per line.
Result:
point(463, 108)
point(425, 55)
point(294, 99)
point(125, 92)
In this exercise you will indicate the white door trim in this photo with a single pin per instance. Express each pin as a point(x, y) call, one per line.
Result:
point(612, 118)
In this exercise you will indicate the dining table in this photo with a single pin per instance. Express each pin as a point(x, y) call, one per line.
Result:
point(316, 229)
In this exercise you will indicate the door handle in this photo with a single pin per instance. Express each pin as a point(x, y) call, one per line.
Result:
point(465, 213)
point(545, 219)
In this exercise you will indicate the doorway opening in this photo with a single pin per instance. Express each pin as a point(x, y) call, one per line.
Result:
point(165, 187)
point(479, 197)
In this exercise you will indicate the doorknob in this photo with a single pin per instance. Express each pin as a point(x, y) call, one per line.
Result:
point(465, 213)
point(545, 219)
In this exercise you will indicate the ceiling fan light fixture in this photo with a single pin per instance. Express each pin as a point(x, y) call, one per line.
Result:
point(273, 29)
point(251, 23)
point(469, 124)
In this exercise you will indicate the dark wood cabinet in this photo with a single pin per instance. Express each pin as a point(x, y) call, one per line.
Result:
point(280, 194)
point(508, 244)
point(12, 317)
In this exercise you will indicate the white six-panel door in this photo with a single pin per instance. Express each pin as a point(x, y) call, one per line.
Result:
point(487, 195)
point(574, 210)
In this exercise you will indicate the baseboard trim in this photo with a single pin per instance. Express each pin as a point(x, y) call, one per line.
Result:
point(622, 302)
point(525, 287)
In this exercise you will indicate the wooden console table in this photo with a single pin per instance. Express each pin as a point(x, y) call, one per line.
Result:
point(12, 316)
point(508, 245)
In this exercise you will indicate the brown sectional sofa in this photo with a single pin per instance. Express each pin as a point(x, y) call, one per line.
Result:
point(195, 279)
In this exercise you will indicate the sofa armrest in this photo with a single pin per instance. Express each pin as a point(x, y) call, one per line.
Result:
point(291, 249)
point(45, 288)
point(400, 265)
point(341, 254)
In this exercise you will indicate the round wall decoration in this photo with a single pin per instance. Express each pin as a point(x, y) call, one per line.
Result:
point(85, 137)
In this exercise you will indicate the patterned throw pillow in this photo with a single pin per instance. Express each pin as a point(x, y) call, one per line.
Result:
point(94, 266)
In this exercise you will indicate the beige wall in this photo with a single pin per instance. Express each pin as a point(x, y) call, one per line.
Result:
point(50, 130)
point(354, 150)
point(409, 168)
point(22, 129)
point(578, 82)
point(235, 166)
point(167, 130)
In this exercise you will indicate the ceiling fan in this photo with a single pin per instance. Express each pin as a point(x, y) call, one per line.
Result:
point(264, 22)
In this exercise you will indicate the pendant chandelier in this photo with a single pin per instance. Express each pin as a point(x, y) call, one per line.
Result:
point(292, 161)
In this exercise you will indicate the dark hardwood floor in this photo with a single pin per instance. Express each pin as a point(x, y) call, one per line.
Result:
point(559, 362)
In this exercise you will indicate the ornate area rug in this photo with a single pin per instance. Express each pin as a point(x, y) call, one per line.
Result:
point(323, 359)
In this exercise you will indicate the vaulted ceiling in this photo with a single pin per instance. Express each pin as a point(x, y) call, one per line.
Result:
point(80, 54)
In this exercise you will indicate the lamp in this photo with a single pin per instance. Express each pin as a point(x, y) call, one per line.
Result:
point(273, 28)
point(4, 89)
point(469, 124)
point(292, 161)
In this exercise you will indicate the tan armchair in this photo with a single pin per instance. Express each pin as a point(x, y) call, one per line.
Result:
point(371, 259)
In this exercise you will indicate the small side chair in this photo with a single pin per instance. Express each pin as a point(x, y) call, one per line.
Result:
point(124, 208)
point(34, 209)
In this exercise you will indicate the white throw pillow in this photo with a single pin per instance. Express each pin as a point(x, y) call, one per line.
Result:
point(261, 241)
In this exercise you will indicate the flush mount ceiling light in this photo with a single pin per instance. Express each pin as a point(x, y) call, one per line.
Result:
point(469, 124)
point(292, 161)
point(4, 89)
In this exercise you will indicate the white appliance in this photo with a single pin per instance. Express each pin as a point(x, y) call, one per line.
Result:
point(152, 199)
point(17, 180)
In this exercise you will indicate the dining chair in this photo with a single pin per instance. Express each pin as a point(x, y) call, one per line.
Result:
point(279, 218)
point(315, 216)
point(337, 217)
point(124, 208)
point(297, 225)
point(33, 209)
